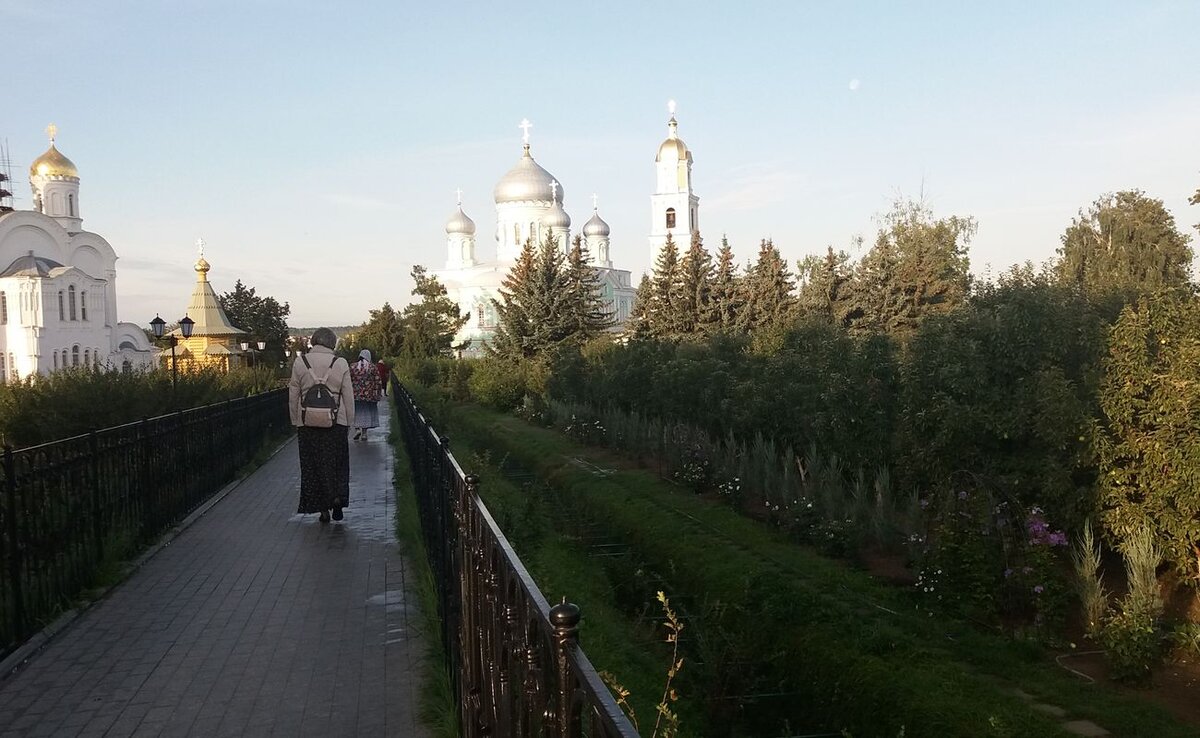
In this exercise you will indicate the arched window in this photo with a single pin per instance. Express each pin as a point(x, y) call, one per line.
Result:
point(670, 217)
point(64, 361)
point(96, 357)
point(87, 357)
point(71, 205)
point(75, 355)
point(83, 305)
point(55, 355)
point(55, 203)
point(3, 308)
point(71, 302)
point(3, 368)
point(126, 366)
point(62, 314)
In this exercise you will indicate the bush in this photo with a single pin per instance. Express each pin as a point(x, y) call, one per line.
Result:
point(1131, 638)
point(498, 383)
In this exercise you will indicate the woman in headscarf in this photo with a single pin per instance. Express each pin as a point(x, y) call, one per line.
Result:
point(324, 452)
point(367, 388)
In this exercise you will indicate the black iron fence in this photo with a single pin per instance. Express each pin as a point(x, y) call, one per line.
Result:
point(515, 661)
point(66, 506)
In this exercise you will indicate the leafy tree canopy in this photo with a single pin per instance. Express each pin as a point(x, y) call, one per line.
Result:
point(263, 318)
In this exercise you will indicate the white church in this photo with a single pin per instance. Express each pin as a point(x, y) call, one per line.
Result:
point(529, 204)
point(58, 283)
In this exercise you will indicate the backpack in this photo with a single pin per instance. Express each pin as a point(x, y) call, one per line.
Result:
point(319, 404)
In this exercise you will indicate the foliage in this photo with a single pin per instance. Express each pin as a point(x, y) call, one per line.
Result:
point(69, 402)
point(430, 324)
point(261, 317)
point(826, 287)
point(767, 291)
point(695, 292)
point(498, 382)
point(587, 314)
point(1089, 582)
point(663, 319)
point(726, 290)
point(1125, 244)
point(1131, 638)
point(383, 334)
point(1185, 639)
point(1149, 449)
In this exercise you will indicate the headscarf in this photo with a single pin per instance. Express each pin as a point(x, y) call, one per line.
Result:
point(364, 357)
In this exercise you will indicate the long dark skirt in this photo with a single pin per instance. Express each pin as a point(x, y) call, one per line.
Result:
point(324, 468)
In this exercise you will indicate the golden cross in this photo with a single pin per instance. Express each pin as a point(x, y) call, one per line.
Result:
point(52, 132)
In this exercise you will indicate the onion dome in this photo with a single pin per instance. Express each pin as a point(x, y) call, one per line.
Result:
point(596, 226)
point(556, 217)
point(673, 147)
point(460, 224)
point(527, 181)
point(53, 163)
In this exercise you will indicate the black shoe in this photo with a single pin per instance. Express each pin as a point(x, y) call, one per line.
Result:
point(337, 513)
point(324, 518)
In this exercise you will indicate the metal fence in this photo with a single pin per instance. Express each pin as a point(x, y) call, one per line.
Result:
point(515, 661)
point(69, 504)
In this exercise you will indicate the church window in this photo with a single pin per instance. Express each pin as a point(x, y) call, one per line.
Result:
point(62, 315)
point(670, 217)
point(55, 355)
point(64, 361)
point(516, 234)
point(87, 357)
point(71, 302)
point(12, 368)
point(3, 308)
point(3, 369)
point(126, 366)
point(83, 305)
point(55, 203)
point(75, 355)
point(71, 205)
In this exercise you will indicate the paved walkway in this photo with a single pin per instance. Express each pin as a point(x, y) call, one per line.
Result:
point(254, 621)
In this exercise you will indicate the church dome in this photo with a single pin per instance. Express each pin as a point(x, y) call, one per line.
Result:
point(556, 217)
point(595, 226)
point(53, 164)
point(673, 147)
point(459, 223)
point(527, 181)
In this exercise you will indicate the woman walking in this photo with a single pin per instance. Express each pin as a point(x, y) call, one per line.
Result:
point(365, 378)
point(324, 451)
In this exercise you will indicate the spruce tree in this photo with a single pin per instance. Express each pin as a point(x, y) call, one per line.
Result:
point(726, 294)
point(694, 303)
point(589, 314)
point(513, 333)
point(638, 325)
point(768, 291)
point(430, 324)
point(825, 286)
point(662, 311)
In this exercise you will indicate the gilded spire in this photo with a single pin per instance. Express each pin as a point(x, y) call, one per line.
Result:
point(52, 132)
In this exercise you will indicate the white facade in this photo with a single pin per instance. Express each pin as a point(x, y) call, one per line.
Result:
point(529, 204)
point(58, 284)
point(674, 207)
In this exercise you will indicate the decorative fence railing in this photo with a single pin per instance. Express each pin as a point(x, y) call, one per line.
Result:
point(67, 504)
point(515, 661)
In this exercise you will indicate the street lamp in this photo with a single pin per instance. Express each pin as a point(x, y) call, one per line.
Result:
point(248, 346)
point(185, 327)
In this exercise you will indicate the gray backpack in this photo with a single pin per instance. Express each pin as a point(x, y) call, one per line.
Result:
point(319, 404)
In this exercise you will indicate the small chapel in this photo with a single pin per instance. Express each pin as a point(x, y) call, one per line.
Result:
point(58, 282)
point(214, 341)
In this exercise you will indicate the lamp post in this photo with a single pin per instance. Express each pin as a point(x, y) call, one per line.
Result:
point(249, 346)
point(185, 327)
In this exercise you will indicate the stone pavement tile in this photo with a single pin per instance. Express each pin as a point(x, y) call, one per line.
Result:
point(253, 619)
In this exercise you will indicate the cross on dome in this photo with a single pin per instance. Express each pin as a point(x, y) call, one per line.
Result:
point(525, 125)
point(671, 107)
point(52, 132)
point(200, 246)
point(458, 192)
point(595, 201)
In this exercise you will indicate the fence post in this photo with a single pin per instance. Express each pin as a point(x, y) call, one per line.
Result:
point(14, 544)
point(565, 619)
point(97, 523)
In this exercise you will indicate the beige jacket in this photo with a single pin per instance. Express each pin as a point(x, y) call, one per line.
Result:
point(339, 376)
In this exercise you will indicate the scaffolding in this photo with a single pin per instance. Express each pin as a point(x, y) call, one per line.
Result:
point(6, 181)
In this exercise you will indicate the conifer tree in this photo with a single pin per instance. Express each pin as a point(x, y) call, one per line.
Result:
point(588, 313)
point(726, 295)
point(512, 337)
point(430, 324)
point(767, 290)
point(825, 286)
point(694, 303)
point(663, 318)
point(638, 325)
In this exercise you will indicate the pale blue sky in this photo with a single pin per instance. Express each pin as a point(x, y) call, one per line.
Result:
point(317, 147)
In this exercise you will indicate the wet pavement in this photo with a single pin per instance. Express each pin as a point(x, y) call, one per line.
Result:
point(253, 621)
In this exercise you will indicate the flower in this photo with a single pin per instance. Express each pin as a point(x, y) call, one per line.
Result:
point(1008, 573)
point(1039, 589)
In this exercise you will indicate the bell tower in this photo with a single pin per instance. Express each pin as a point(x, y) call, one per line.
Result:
point(674, 207)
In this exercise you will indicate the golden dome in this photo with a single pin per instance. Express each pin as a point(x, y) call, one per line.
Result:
point(53, 164)
point(202, 267)
point(673, 147)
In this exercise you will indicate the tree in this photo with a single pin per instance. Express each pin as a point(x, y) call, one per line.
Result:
point(694, 295)
point(587, 311)
point(767, 290)
point(825, 286)
point(263, 318)
point(1124, 245)
point(518, 296)
point(429, 325)
point(917, 268)
point(662, 311)
point(639, 315)
point(1149, 449)
point(726, 293)
point(382, 334)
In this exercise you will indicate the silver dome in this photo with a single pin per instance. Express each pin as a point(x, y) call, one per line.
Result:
point(526, 182)
point(556, 217)
point(596, 226)
point(460, 223)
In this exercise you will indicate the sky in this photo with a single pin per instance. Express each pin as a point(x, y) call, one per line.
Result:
point(317, 147)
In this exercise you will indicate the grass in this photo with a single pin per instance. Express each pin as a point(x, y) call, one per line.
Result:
point(849, 652)
point(438, 710)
